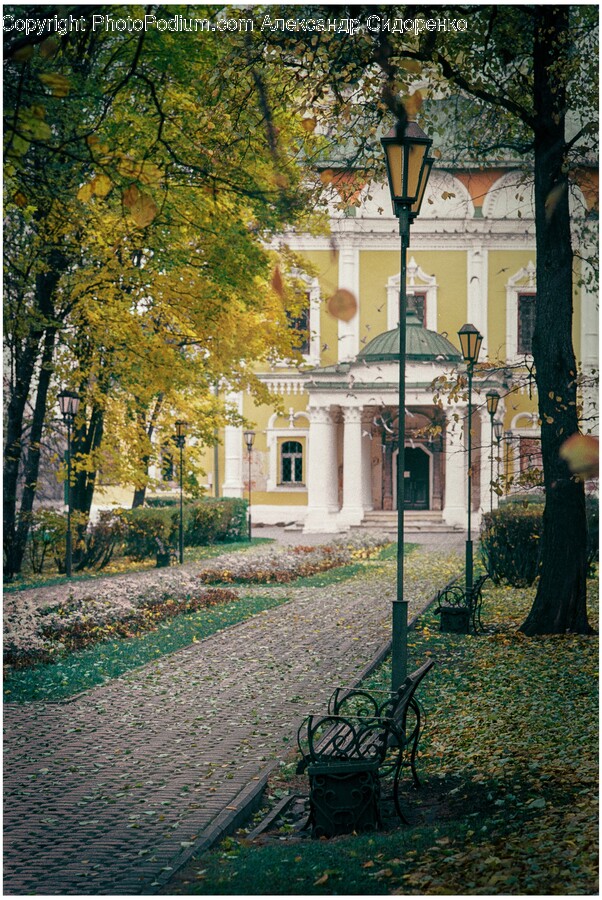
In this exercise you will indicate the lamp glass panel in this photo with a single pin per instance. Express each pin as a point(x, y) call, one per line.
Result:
point(493, 398)
point(181, 428)
point(415, 159)
point(426, 171)
point(395, 166)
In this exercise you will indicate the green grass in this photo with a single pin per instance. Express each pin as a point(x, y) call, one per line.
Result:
point(95, 665)
point(509, 761)
point(124, 565)
point(80, 670)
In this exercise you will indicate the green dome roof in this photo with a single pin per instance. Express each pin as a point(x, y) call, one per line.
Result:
point(421, 344)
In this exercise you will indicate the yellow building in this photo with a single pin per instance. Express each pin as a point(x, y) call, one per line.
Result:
point(328, 463)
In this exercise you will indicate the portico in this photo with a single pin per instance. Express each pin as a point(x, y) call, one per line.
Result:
point(353, 434)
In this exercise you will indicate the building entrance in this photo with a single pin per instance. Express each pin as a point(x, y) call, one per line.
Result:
point(417, 482)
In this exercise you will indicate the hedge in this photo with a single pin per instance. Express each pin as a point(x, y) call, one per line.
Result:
point(511, 538)
point(137, 533)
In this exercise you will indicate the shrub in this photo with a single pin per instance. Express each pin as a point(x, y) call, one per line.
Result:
point(593, 531)
point(48, 535)
point(149, 530)
point(103, 540)
point(211, 521)
point(510, 539)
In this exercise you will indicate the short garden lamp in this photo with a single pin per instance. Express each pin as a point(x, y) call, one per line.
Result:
point(181, 432)
point(493, 398)
point(249, 437)
point(470, 345)
point(408, 169)
point(69, 406)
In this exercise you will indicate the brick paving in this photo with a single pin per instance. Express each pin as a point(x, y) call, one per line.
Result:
point(109, 792)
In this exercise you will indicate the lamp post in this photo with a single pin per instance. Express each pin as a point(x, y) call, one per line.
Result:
point(493, 398)
point(249, 437)
point(470, 345)
point(69, 405)
point(498, 428)
point(181, 432)
point(408, 170)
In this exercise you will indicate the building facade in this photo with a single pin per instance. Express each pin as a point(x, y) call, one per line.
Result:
point(328, 460)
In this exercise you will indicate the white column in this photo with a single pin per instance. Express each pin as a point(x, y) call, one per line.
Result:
point(367, 439)
point(353, 468)
point(232, 485)
point(485, 469)
point(590, 342)
point(322, 473)
point(456, 487)
point(476, 300)
point(349, 279)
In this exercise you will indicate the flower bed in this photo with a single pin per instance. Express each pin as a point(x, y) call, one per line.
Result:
point(280, 566)
point(85, 621)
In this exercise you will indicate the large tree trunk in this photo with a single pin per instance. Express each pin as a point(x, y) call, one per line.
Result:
point(32, 465)
point(560, 602)
point(24, 372)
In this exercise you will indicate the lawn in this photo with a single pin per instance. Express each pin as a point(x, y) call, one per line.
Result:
point(509, 761)
point(55, 652)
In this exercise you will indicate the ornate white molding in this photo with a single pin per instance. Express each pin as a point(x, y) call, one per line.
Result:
point(417, 281)
point(521, 281)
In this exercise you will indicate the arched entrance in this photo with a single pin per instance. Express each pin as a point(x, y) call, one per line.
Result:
point(417, 478)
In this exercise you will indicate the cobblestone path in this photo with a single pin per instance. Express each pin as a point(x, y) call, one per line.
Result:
point(106, 793)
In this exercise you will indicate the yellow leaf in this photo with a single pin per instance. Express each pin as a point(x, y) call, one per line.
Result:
point(143, 210)
point(308, 124)
point(23, 53)
point(85, 193)
point(277, 283)
point(412, 104)
point(342, 305)
point(49, 48)
point(322, 879)
point(58, 84)
point(101, 185)
point(581, 453)
point(131, 195)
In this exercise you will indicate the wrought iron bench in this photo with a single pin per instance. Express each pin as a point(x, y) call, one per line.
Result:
point(460, 610)
point(364, 737)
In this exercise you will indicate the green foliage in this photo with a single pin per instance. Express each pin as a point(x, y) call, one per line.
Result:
point(510, 542)
point(48, 536)
point(112, 657)
point(511, 538)
point(592, 507)
point(102, 540)
point(149, 531)
point(509, 764)
point(212, 521)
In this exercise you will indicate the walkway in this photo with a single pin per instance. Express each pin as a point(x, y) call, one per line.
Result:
point(108, 793)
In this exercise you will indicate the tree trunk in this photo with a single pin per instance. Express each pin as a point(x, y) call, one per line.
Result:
point(24, 372)
point(140, 492)
point(560, 602)
point(86, 442)
point(32, 465)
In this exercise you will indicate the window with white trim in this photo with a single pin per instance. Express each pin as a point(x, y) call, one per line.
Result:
point(291, 462)
point(525, 322)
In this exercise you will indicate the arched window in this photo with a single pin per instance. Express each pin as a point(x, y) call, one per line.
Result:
point(291, 462)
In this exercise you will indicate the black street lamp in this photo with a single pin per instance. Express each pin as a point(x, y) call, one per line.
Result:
point(249, 437)
point(408, 170)
point(498, 428)
point(69, 405)
point(181, 432)
point(470, 345)
point(493, 398)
